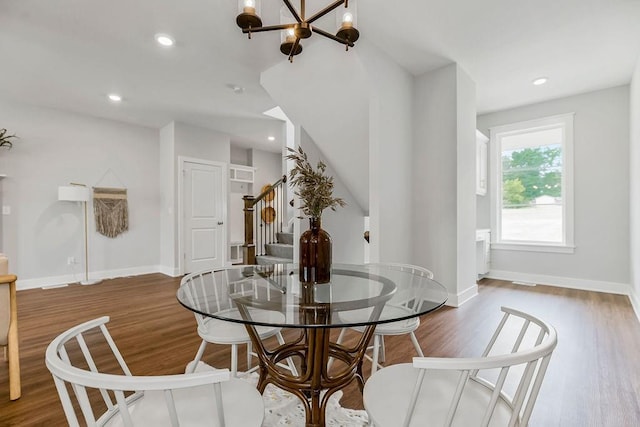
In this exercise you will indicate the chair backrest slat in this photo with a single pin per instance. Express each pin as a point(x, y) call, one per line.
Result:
point(526, 414)
point(497, 391)
point(93, 368)
point(122, 404)
point(217, 389)
point(171, 406)
point(455, 400)
point(414, 398)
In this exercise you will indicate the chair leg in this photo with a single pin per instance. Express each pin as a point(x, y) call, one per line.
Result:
point(234, 360)
point(199, 354)
point(249, 351)
point(14, 368)
point(416, 344)
point(383, 352)
point(292, 366)
point(12, 344)
point(338, 341)
point(376, 349)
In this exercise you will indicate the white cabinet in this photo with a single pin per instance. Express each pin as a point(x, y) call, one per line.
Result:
point(240, 173)
point(482, 146)
point(483, 251)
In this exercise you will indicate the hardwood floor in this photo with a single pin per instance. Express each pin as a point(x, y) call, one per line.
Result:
point(593, 378)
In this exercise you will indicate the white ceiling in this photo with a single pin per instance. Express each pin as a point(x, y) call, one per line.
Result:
point(69, 54)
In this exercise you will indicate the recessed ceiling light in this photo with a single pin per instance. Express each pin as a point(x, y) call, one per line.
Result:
point(271, 138)
point(540, 81)
point(165, 40)
point(115, 97)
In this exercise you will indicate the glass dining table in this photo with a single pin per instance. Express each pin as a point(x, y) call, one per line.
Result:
point(273, 296)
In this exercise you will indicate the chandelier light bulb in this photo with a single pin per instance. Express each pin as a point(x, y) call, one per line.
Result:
point(249, 6)
point(347, 18)
point(290, 35)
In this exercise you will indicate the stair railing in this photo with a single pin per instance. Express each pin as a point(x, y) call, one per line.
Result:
point(263, 219)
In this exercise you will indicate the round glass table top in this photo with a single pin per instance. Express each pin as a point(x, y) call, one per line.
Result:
point(272, 295)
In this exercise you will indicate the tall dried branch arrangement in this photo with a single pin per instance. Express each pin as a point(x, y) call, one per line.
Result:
point(5, 140)
point(312, 186)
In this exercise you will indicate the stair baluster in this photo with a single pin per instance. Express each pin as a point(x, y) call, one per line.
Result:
point(252, 221)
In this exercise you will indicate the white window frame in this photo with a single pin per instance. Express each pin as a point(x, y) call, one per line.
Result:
point(565, 122)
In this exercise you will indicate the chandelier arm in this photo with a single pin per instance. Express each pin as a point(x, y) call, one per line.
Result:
point(293, 11)
point(293, 49)
point(267, 28)
point(323, 11)
point(332, 37)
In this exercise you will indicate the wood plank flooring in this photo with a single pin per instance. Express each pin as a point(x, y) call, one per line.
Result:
point(593, 378)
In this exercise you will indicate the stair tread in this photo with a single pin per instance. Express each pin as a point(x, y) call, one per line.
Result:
point(280, 245)
point(285, 237)
point(267, 259)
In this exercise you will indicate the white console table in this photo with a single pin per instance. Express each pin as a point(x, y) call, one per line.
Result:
point(483, 252)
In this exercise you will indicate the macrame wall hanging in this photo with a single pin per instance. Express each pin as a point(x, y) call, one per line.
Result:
point(111, 211)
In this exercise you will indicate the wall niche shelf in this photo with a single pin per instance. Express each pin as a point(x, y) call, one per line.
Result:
point(240, 173)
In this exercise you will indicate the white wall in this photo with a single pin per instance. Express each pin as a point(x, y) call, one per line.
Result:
point(390, 154)
point(332, 105)
point(634, 156)
point(601, 195)
point(466, 185)
point(239, 155)
point(56, 148)
point(167, 183)
point(345, 224)
point(444, 179)
point(268, 168)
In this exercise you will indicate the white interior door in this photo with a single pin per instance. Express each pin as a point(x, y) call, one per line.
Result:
point(204, 202)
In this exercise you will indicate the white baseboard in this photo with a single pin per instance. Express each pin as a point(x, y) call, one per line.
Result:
point(169, 271)
point(75, 278)
point(571, 283)
point(562, 282)
point(456, 300)
point(635, 302)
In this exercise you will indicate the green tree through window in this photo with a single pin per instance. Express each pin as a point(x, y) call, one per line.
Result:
point(529, 173)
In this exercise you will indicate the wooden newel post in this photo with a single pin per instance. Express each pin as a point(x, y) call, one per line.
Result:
point(249, 247)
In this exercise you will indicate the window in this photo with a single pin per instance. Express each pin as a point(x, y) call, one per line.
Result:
point(532, 184)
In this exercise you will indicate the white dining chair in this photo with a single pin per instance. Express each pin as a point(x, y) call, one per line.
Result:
point(408, 303)
point(119, 398)
point(209, 291)
point(499, 388)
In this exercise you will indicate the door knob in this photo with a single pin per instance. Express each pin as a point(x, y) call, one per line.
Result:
point(220, 222)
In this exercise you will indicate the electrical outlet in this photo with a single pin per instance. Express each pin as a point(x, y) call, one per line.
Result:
point(71, 260)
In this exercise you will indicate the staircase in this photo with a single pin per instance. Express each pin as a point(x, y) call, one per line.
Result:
point(278, 253)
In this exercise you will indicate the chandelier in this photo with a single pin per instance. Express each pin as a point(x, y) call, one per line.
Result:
point(293, 32)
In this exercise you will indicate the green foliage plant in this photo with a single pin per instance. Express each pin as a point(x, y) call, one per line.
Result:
point(537, 170)
point(5, 140)
point(512, 193)
point(312, 185)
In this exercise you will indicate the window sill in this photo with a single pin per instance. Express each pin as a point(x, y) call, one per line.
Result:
point(560, 249)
